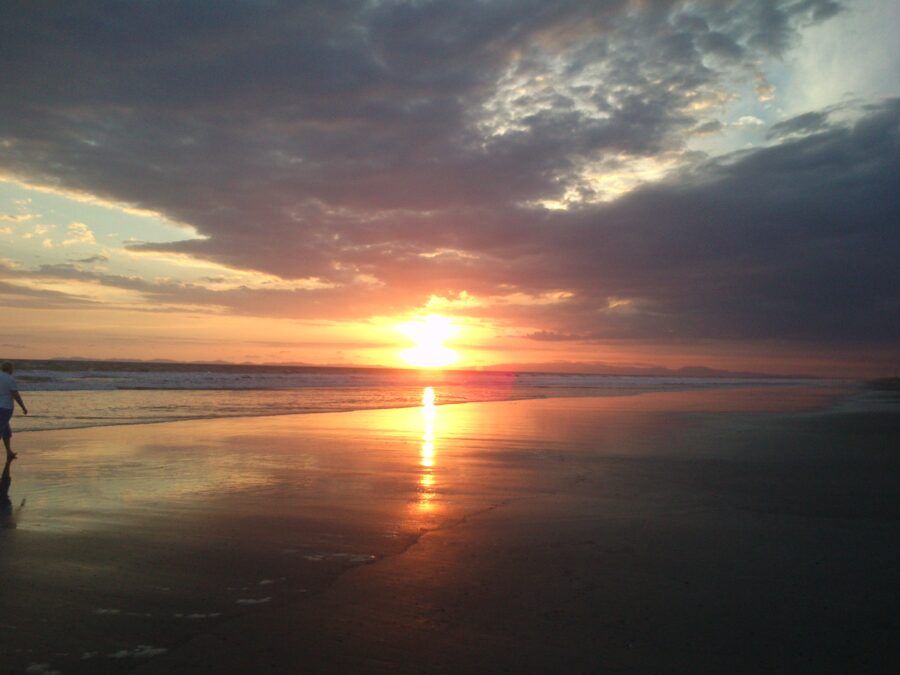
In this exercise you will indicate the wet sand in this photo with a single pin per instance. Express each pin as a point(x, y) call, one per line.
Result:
point(715, 531)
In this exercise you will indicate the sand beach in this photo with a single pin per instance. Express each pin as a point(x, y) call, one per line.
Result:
point(740, 530)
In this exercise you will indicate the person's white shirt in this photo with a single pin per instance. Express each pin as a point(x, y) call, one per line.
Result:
point(7, 387)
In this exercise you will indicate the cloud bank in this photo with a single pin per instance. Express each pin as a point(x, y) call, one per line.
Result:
point(530, 162)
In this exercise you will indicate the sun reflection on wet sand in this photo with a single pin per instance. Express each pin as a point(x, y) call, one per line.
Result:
point(426, 487)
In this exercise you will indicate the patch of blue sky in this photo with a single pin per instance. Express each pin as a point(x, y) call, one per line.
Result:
point(111, 224)
point(754, 106)
point(42, 227)
point(856, 58)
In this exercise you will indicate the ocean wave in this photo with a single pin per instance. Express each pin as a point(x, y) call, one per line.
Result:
point(64, 408)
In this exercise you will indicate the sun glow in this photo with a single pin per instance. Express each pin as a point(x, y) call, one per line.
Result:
point(429, 334)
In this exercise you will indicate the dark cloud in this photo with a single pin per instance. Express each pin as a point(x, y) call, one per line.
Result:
point(801, 124)
point(16, 295)
point(711, 127)
point(162, 294)
point(549, 336)
point(399, 150)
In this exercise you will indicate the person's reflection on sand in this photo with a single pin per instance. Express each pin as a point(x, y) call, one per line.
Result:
point(7, 515)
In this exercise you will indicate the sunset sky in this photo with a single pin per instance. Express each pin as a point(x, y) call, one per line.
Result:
point(570, 185)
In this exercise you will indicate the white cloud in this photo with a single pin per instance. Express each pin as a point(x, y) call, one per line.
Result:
point(16, 218)
point(748, 121)
point(79, 233)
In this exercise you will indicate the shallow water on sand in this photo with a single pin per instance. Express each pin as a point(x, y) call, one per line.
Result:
point(69, 399)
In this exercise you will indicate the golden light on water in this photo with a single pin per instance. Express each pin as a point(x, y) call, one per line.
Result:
point(429, 335)
point(426, 452)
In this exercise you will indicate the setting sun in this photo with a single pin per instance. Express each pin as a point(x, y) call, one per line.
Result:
point(429, 334)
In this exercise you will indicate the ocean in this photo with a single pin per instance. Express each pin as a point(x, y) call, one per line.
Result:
point(74, 394)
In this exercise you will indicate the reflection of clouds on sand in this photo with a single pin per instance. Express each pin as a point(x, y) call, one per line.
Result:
point(139, 652)
point(341, 557)
point(84, 479)
point(253, 601)
point(198, 615)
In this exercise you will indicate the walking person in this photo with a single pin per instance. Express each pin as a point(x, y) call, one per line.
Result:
point(9, 392)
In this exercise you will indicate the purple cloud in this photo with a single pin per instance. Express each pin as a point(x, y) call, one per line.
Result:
point(413, 145)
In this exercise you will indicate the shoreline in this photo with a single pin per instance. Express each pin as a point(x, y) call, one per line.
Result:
point(842, 386)
point(138, 365)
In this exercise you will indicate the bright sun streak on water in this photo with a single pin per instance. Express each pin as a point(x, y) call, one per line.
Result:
point(429, 335)
point(427, 488)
